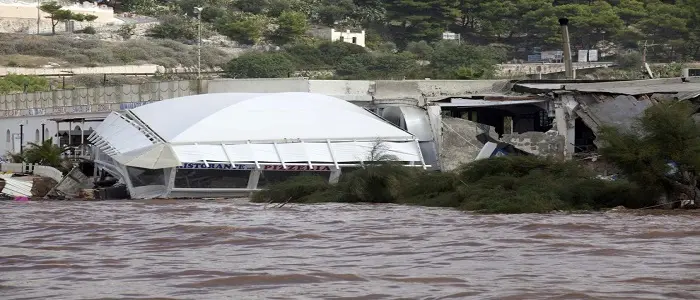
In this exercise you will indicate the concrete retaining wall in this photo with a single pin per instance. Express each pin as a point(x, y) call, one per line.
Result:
point(85, 70)
point(91, 100)
point(105, 99)
point(511, 70)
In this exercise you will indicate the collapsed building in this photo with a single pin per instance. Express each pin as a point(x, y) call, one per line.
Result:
point(557, 119)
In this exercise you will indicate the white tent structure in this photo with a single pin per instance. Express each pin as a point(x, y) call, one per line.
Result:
point(192, 146)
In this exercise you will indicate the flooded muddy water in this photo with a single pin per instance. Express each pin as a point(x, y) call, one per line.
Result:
point(236, 250)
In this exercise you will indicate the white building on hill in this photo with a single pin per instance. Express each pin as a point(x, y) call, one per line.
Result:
point(348, 36)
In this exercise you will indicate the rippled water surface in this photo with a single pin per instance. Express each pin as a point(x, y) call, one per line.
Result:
point(236, 250)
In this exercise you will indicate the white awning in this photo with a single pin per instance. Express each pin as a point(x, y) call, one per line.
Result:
point(157, 156)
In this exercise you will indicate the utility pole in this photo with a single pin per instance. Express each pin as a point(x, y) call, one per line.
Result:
point(198, 11)
point(21, 138)
point(38, 16)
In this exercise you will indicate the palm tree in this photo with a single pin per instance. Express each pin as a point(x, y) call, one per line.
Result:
point(45, 153)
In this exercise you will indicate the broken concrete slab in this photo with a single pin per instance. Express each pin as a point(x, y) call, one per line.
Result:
point(461, 141)
point(546, 144)
point(620, 111)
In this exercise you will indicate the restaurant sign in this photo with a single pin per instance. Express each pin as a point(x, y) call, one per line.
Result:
point(229, 166)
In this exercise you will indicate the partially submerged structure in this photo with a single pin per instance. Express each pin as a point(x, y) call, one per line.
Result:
point(233, 143)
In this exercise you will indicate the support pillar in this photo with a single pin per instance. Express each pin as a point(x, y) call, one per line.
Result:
point(565, 122)
point(335, 175)
point(253, 179)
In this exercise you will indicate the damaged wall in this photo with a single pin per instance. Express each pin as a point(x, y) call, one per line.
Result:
point(459, 142)
point(546, 144)
point(619, 111)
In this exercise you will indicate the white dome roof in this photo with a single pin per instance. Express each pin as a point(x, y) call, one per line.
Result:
point(237, 117)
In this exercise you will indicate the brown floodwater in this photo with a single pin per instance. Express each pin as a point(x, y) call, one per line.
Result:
point(164, 249)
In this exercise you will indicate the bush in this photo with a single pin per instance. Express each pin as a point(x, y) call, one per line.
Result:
point(296, 189)
point(174, 28)
point(89, 30)
point(512, 184)
point(421, 49)
point(126, 31)
point(13, 83)
point(260, 65)
point(65, 49)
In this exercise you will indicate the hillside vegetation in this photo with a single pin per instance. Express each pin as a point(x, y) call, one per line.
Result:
point(520, 24)
point(403, 36)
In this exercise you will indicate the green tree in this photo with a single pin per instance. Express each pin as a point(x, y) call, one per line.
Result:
point(590, 24)
point(246, 29)
point(174, 28)
point(421, 49)
point(660, 153)
point(453, 61)
point(260, 65)
point(291, 26)
point(336, 11)
point(631, 11)
point(412, 20)
point(45, 153)
point(57, 14)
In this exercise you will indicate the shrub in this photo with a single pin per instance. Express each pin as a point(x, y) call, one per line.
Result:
point(296, 189)
point(260, 65)
point(126, 31)
point(13, 83)
point(174, 28)
point(62, 48)
point(513, 184)
point(89, 30)
point(421, 49)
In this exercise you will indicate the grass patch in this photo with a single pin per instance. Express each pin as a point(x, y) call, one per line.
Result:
point(79, 51)
point(514, 184)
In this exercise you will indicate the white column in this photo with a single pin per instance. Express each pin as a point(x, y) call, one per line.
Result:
point(253, 179)
point(335, 175)
point(565, 122)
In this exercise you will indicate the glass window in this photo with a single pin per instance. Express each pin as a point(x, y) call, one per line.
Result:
point(37, 136)
point(211, 179)
point(271, 177)
point(143, 177)
point(9, 136)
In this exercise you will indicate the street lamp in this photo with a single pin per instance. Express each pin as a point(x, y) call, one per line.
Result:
point(198, 11)
point(21, 138)
point(43, 124)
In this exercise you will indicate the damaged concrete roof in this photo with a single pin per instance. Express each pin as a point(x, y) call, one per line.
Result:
point(682, 88)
